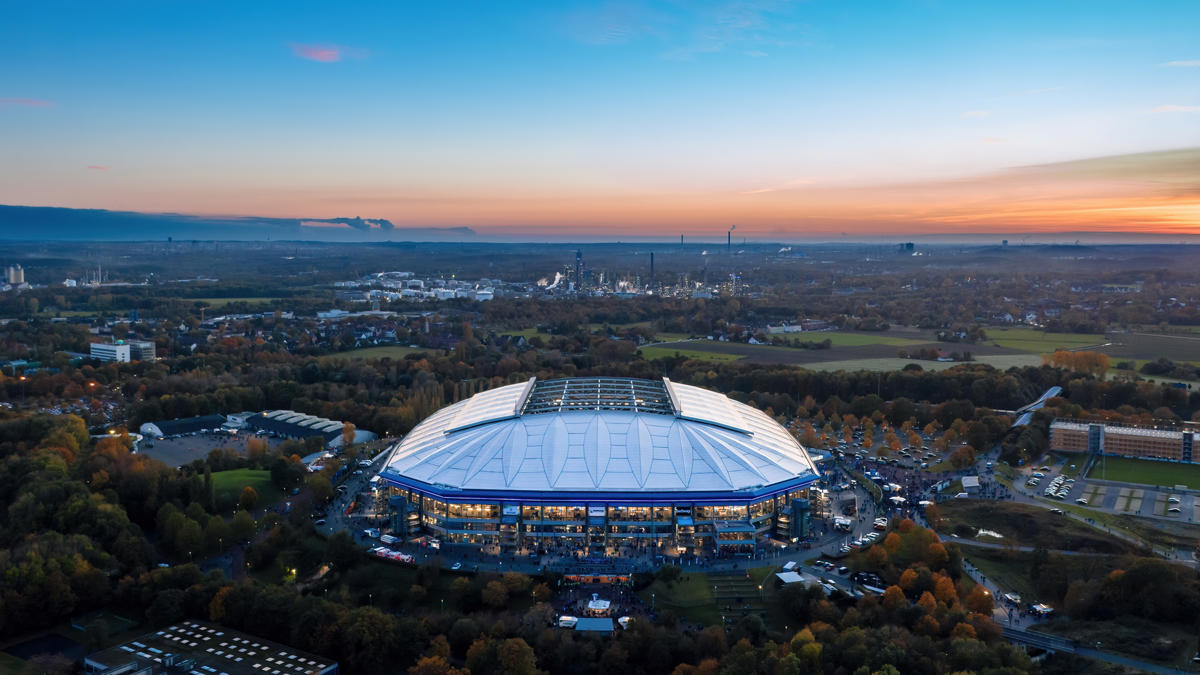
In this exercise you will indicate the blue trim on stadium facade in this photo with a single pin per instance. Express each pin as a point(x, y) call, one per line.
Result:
point(566, 497)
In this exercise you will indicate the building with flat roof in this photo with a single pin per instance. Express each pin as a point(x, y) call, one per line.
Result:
point(186, 425)
point(142, 350)
point(203, 648)
point(1141, 441)
point(110, 352)
point(598, 462)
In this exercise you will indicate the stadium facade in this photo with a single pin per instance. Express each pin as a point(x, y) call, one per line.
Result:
point(601, 462)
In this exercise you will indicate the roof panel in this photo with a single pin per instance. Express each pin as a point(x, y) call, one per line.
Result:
point(611, 446)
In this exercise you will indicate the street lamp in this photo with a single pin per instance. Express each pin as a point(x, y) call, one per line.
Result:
point(22, 391)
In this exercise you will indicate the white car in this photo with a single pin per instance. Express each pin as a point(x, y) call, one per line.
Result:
point(457, 566)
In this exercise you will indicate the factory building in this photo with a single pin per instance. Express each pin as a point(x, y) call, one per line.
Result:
point(15, 275)
point(205, 648)
point(1141, 441)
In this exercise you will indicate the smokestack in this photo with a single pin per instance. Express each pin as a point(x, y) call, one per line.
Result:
point(729, 241)
point(651, 269)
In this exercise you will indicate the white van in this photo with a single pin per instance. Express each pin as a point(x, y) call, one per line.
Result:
point(567, 621)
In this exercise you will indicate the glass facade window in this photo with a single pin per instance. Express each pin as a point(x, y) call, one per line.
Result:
point(728, 512)
point(764, 508)
point(476, 511)
point(662, 513)
point(564, 513)
point(431, 505)
point(531, 512)
point(630, 513)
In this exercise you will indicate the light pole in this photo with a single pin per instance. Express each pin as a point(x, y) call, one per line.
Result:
point(22, 391)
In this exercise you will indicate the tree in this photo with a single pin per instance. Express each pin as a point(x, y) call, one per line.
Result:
point(938, 556)
point(189, 540)
point(416, 593)
point(963, 457)
point(248, 499)
point(979, 601)
point(495, 594)
point(944, 591)
point(341, 552)
point(348, 432)
point(907, 579)
point(893, 597)
point(216, 534)
point(542, 593)
point(668, 574)
point(892, 542)
point(49, 664)
point(434, 665)
point(167, 607)
point(933, 515)
point(461, 588)
point(927, 602)
point(321, 488)
point(243, 526)
point(877, 557)
point(516, 658)
point(963, 631)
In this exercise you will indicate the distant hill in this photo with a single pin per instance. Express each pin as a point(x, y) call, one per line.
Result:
point(51, 223)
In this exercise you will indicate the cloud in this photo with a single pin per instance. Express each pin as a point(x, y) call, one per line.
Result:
point(754, 192)
point(1174, 108)
point(991, 140)
point(1034, 91)
point(326, 53)
point(1179, 64)
point(24, 103)
point(100, 168)
point(975, 113)
point(613, 23)
point(756, 53)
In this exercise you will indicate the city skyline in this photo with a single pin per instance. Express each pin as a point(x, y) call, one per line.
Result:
point(609, 120)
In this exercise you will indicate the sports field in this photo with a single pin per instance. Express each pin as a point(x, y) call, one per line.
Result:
point(842, 339)
point(1146, 472)
point(390, 352)
point(228, 485)
point(651, 353)
point(1028, 340)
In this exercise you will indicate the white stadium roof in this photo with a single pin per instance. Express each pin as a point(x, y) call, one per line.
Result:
point(599, 435)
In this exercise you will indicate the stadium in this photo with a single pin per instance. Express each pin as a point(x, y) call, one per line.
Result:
point(599, 463)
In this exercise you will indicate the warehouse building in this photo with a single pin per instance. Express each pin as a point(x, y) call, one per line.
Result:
point(205, 648)
point(299, 426)
point(179, 427)
point(1141, 441)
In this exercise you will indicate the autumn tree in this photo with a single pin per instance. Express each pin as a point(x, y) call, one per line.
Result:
point(248, 499)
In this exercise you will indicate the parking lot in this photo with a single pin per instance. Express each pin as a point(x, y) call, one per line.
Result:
point(180, 451)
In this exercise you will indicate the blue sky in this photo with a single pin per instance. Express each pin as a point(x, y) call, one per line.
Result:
point(526, 117)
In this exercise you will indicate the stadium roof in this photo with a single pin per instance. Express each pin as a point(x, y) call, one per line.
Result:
point(598, 435)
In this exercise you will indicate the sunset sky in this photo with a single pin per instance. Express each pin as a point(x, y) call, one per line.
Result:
point(635, 119)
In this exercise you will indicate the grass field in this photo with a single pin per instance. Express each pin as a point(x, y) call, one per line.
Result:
point(651, 353)
point(1146, 472)
point(691, 598)
point(842, 339)
point(221, 302)
point(389, 352)
point(11, 665)
point(1026, 525)
point(888, 364)
point(227, 485)
point(1037, 342)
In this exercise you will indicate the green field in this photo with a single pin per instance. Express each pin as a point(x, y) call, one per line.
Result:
point(1041, 343)
point(227, 486)
point(888, 364)
point(1146, 472)
point(389, 352)
point(651, 353)
point(11, 665)
point(841, 339)
point(691, 598)
point(221, 302)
